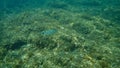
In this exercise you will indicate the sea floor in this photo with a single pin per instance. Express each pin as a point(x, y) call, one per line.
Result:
point(60, 37)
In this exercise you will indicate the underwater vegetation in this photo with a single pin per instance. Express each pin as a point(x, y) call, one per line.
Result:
point(60, 34)
point(16, 45)
point(114, 13)
point(92, 3)
point(57, 5)
point(81, 28)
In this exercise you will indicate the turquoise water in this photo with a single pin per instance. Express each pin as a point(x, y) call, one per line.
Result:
point(59, 34)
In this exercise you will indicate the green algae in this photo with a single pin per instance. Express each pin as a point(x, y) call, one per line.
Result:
point(59, 38)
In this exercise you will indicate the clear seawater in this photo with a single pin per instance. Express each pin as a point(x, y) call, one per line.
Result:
point(59, 33)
